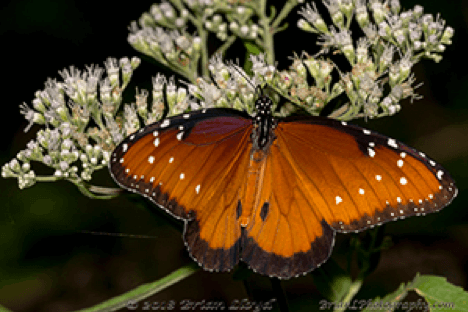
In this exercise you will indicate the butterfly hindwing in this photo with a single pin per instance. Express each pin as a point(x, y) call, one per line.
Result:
point(287, 235)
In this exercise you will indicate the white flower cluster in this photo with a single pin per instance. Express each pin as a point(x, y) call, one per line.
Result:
point(84, 118)
point(162, 32)
point(232, 86)
point(394, 41)
point(81, 129)
point(175, 48)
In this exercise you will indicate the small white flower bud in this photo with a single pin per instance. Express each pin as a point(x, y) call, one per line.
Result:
point(47, 160)
point(244, 30)
point(311, 15)
point(208, 25)
point(14, 165)
point(233, 26)
point(378, 11)
point(418, 11)
point(196, 43)
point(302, 24)
point(447, 35)
point(362, 16)
point(395, 6)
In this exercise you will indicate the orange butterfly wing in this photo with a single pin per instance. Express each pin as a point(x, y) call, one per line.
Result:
point(194, 171)
point(357, 178)
point(323, 176)
point(287, 235)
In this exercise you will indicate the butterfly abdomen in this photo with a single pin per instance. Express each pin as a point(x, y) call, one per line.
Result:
point(253, 186)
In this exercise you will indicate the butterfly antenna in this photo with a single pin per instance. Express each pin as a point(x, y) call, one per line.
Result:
point(237, 68)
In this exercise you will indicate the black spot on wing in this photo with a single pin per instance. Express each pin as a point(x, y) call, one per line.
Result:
point(264, 211)
point(238, 210)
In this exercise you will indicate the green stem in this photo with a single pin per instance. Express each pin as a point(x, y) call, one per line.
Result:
point(203, 49)
point(288, 6)
point(267, 33)
point(90, 190)
point(131, 299)
point(197, 21)
point(353, 290)
point(46, 179)
point(105, 190)
point(226, 44)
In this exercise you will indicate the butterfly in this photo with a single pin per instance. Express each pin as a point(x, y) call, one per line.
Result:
point(272, 192)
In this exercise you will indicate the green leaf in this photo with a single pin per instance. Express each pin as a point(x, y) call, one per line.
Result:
point(254, 49)
point(131, 298)
point(332, 281)
point(436, 290)
point(3, 309)
point(439, 294)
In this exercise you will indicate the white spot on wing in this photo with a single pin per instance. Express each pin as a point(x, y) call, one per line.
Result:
point(179, 135)
point(361, 191)
point(403, 181)
point(171, 160)
point(186, 116)
point(197, 189)
point(400, 163)
point(151, 159)
point(392, 143)
point(402, 154)
point(371, 152)
point(156, 142)
point(182, 176)
point(165, 123)
point(366, 131)
point(378, 177)
point(338, 199)
point(124, 147)
point(155, 133)
point(440, 173)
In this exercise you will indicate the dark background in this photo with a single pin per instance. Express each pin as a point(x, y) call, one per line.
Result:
point(49, 263)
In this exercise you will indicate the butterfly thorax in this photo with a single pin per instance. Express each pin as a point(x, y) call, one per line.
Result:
point(264, 125)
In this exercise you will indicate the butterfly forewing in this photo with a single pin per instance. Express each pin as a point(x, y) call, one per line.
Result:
point(358, 178)
point(195, 173)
